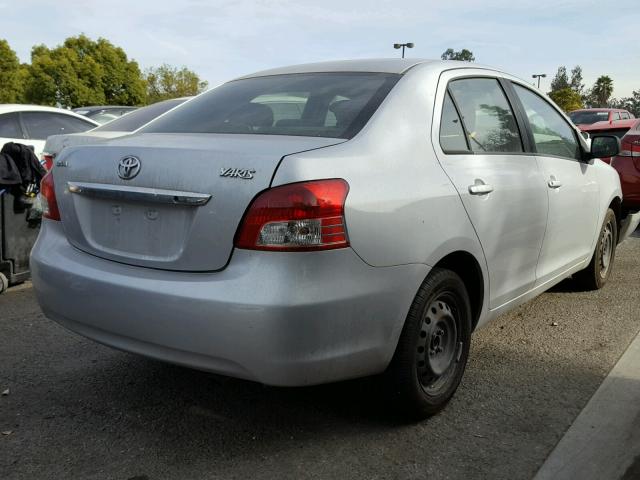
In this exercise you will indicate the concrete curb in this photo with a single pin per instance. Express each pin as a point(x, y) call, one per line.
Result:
point(604, 441)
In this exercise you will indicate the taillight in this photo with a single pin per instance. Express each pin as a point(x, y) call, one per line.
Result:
point(296, 217)
point(47, 161)
point(630, 147)
point(48, 198)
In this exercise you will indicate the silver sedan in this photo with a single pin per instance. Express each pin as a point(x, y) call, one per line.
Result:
point(329, 221)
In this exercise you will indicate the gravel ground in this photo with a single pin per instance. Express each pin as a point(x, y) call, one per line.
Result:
point(78, 410)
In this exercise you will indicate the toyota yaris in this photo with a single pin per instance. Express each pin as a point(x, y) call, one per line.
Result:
point(329, 221)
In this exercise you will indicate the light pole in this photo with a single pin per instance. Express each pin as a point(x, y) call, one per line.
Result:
point(402, 45)
point(539, 76)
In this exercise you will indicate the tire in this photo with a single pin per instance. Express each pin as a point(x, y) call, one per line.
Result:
point(595, 276)
point(4, 283)
point(433, 348)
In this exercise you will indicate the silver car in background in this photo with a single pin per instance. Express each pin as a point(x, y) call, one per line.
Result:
point(329, 221)
point(119, 127)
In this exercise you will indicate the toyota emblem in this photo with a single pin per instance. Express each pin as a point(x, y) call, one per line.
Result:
point(129, 167)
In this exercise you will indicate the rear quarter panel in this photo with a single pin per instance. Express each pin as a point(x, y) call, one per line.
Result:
point(401, 207)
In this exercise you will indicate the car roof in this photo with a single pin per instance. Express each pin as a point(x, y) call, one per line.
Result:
point(374, 65)
point(10, 107)
point(599, 110)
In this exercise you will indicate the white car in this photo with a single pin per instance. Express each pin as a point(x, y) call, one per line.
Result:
point(368, 226)
point(32, 124)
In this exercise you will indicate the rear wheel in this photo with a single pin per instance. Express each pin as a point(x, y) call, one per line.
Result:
point(433, 348)
point(599, 270)
point(4, 282)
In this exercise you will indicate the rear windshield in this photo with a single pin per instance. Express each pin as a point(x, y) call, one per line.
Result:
point(587, 118)
point(334, 105)
point(134, 120)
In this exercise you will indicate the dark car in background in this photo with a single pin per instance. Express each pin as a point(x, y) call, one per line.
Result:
point(103, 114)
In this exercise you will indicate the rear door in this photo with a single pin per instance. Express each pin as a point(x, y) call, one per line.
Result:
point(502, 188)
point(571, 186)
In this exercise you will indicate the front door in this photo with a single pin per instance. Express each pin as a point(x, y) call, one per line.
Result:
point(571, 187)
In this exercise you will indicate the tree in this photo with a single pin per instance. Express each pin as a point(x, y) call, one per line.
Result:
point(82, 72)
point(11, 87)
point(166, 82)
point(567, 99)
point(601, 91)
point(463, 55)
point(561, 80)
point(576, 80)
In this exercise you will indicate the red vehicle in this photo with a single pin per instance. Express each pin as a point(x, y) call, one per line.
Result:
point(590, 116)
point(627, 163)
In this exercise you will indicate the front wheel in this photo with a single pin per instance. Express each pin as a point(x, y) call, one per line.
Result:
point(599, 270)
point(433, 348)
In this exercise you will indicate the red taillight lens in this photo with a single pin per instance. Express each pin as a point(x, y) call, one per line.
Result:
point(297, 216)
point(47, 161)
point(48, 198)
point(630, 147)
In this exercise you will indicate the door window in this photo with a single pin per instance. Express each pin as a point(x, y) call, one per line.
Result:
point(616, 116)
point(41, 125)
point(9, 126)
point(552, 135)
point(486, 115)
point(452, 138)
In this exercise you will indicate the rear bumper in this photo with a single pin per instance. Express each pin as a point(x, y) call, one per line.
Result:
point(278, 318)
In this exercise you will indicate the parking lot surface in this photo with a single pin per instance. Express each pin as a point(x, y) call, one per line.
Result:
point(76, 409)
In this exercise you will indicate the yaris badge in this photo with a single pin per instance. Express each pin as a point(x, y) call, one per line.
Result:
point(243, 173)
point(129, 167)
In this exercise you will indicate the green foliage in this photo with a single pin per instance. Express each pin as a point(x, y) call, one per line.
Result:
point(11, 86)
point(166, 82)
point(83, 72)
point(601, 92)
point(463, 55)
point(561, 80)
point(567, 99)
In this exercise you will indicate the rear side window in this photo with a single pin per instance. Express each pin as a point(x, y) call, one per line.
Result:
point(41, 125)
point(334, 105)
point(9, 126)
point(486, 115)
point(624, 116)
point(452, 138)
point(552, 135)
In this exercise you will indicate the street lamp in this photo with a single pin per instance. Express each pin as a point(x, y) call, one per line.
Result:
point(402, 45)
point(539, 76)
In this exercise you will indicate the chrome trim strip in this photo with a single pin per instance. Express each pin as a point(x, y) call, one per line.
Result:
point(139, 194)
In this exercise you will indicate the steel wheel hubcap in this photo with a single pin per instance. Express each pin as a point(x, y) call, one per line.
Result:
point(438, 344)
point(606, 249)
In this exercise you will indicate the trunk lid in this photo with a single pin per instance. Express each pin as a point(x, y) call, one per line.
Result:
point(181, 208)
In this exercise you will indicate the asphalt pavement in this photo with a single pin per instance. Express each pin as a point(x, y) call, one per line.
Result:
point(79, 410)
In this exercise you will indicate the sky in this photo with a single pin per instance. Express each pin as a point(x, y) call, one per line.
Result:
point(221, 40)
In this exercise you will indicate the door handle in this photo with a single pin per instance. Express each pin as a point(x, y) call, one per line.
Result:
point(553, 183)
point(480, 189)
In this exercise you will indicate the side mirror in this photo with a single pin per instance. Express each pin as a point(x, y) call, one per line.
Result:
point(604, 146)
